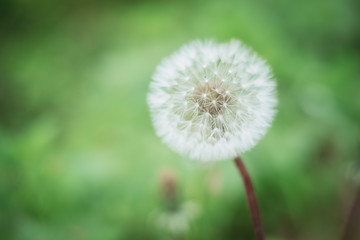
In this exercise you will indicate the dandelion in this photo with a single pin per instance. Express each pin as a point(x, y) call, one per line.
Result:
point(176, 216)
point(211, 101)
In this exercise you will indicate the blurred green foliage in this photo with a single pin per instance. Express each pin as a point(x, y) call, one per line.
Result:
point(79, 158)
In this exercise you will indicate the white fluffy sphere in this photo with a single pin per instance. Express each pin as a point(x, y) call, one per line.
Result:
point(212, 101)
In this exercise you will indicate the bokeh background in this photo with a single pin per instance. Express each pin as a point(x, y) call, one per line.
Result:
point(79, 158)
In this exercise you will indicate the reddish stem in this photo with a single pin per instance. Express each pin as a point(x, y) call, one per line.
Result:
point(350, 227)
point(251, 198)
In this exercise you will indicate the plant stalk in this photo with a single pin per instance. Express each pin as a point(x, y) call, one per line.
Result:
point(351, 224)
point(251, 199)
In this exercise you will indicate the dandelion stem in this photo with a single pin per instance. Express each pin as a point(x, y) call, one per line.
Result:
point(351, 221)
point(251, 198)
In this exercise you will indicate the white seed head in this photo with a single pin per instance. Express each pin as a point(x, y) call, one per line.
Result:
point(229, 94)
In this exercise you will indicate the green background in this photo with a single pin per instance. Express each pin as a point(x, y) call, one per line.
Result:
point(79, 158)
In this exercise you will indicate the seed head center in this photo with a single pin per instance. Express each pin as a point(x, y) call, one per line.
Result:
point(212, 98)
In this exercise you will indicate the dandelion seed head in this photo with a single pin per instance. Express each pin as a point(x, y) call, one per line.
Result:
point(212, 101)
